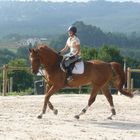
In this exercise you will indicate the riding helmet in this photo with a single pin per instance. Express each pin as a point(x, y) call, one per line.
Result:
point(73, 29)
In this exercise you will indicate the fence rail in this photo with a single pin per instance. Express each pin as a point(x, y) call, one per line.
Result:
point(7, 68)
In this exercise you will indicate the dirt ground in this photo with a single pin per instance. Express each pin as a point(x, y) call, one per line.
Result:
point(18, 118)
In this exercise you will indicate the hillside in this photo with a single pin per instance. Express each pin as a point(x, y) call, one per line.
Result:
point(92, 36)
point(43, 18)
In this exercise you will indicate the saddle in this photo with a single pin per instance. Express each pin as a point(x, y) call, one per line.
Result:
point(69, 62)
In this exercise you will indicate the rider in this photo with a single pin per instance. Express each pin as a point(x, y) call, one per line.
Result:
point(73, 43)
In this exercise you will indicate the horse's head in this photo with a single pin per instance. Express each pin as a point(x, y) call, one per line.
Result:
point(35, 60)
point(45, 56)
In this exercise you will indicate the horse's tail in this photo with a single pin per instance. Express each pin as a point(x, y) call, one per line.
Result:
point(119, 78)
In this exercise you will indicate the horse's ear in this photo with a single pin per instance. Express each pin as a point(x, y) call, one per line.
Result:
point(30, 50)
point(34, 50)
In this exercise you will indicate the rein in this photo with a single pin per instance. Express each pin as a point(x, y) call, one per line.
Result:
point(41, 73)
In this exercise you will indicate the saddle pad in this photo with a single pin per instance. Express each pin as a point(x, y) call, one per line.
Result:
point(78, 68)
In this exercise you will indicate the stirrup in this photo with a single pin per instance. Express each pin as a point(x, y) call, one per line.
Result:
point(69, 78)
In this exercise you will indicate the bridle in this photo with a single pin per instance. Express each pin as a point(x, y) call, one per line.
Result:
point(39, 61)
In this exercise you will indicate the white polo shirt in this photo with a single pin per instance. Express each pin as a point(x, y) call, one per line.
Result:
point(71, 42)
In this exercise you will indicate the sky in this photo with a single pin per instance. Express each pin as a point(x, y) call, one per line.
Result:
point(93, 0)
point(80, 0)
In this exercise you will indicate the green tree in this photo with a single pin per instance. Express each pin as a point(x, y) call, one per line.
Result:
point(88, 53)
point(22, 79)
point(23, 52)
point(110, 53)
point(6, 56)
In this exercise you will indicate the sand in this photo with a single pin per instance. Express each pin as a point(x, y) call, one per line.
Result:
point(18, 118)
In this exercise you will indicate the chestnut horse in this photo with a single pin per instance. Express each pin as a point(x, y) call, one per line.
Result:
point(100, 75)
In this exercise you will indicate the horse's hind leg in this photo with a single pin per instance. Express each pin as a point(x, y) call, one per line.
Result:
point(109, 97)
point(90, 101)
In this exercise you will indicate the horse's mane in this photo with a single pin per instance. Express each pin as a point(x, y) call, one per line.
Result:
point(44, 47)
point(50, 53)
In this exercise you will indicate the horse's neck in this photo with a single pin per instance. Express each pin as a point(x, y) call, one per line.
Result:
point(51, 61)
point(47, 56)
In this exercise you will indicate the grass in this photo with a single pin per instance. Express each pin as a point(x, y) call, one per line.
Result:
point(11, 46)
point(19, 93)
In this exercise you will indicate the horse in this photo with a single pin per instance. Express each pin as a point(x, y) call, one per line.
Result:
point(98, 74)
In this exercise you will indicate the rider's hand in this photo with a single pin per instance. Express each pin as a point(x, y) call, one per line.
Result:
point(59, 53)
point(71, 54)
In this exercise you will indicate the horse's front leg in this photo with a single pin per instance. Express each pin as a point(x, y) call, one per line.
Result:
point(55, 111)
point(51, 91)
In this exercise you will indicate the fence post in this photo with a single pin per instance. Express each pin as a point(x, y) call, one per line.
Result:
point(11, 84)
point(128, 79)
point(132, 83)
point(80, 89)
point(5, 67)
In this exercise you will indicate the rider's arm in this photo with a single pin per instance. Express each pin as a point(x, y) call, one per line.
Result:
point(64, 49)
point(77, 49)
point(76, 46)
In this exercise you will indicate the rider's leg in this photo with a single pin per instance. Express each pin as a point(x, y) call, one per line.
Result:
point(69, 73)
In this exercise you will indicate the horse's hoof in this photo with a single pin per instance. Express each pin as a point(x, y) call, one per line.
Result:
point(110, 118)
point(132, 95)
point(76, 117)
point(39, 116)
point(113, 112)
point(55, 111)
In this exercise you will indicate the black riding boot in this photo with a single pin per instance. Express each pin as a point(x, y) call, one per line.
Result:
point(69, 73)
